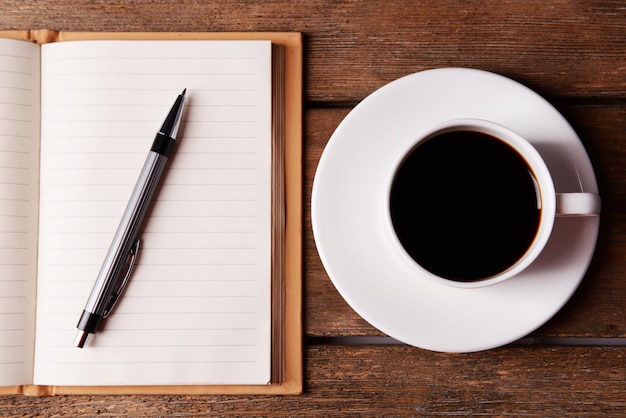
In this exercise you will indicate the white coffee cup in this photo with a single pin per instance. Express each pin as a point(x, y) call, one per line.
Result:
point(549, 205)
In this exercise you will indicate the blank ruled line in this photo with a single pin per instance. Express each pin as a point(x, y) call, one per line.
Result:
point(157, 57)
point(105, 105)
point(58, 169)
point(214, 168)
point(216, 216)
point(94, 185)
point(12, 167)
point(184, 345)
point(61, 153)
point(87, 200)
point(80, 248)
point(25, 73)
point(16, 88)
point(205, 200)
point(192, 297)
point(131, 89)
point(185, 313)
point(157, 330)
point(9, 183)
point(16, 72)
point(221, 121)
point(16, 56)
point(84, 137)
point(16, 136)
point(217, 138)
point(145, 74)
point(12, 151)
point(218, 153)
point(177, 281)
point(200, 248)
point(169, 297)
point(202, 280)
point(17, 120)
point(154, 313)
point(90, 185)
point(209, 184)
point(218, 105)
point(148, 232)
point(181, 329)
point(17, 104)
point(91, 121)
point(147, 248)
point(74, 363)
point(142, 138)
point(141, 105)
point(83, 216)
point(136, 121)
point(200, 232)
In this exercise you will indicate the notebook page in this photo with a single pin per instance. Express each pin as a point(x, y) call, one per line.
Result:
point(19, 181)
point(197, 309)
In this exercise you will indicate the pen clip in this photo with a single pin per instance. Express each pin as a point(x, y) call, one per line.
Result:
point(134, 250)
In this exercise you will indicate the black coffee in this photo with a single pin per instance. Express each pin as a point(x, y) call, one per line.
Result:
point(464, 205)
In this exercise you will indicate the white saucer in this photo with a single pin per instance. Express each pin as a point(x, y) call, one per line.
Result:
point(348, 205)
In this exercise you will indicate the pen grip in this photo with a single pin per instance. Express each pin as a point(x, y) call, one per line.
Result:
point(113, 267)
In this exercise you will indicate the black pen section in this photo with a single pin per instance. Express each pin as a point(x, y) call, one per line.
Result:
point(165, 139)
point(87, 325)
point(172, 121)
point(163, 145)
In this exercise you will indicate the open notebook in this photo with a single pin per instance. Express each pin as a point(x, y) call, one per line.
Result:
point(203, 302)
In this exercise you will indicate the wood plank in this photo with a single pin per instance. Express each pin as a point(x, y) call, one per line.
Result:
point(544, 382)
point(565, 48)
point(596, 310)
point(395, 380)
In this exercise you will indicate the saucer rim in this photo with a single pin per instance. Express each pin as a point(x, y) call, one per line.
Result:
point(370, 312)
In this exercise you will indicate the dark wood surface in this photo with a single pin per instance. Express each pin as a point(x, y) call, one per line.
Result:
point(571, 52)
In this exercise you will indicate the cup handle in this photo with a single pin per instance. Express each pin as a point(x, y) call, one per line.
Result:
point(577, 204)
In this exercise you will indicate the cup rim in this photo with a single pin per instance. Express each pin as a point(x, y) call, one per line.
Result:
point(545, 187)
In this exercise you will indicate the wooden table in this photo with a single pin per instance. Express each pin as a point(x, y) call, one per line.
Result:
point(571, 52)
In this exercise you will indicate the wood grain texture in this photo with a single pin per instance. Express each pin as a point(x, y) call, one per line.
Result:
point(395, 380)
point(566, 48)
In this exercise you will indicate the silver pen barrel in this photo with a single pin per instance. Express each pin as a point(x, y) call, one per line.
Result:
point(128, 230)
point(122, 254)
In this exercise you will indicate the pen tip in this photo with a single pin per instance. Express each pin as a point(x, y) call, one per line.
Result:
point(81, 339)
point(183, 93)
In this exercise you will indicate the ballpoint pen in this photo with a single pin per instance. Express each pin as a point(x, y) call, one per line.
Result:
point(120, 259)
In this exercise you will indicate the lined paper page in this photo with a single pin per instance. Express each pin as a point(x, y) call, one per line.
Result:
point(19, 162)
point(197, 309)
